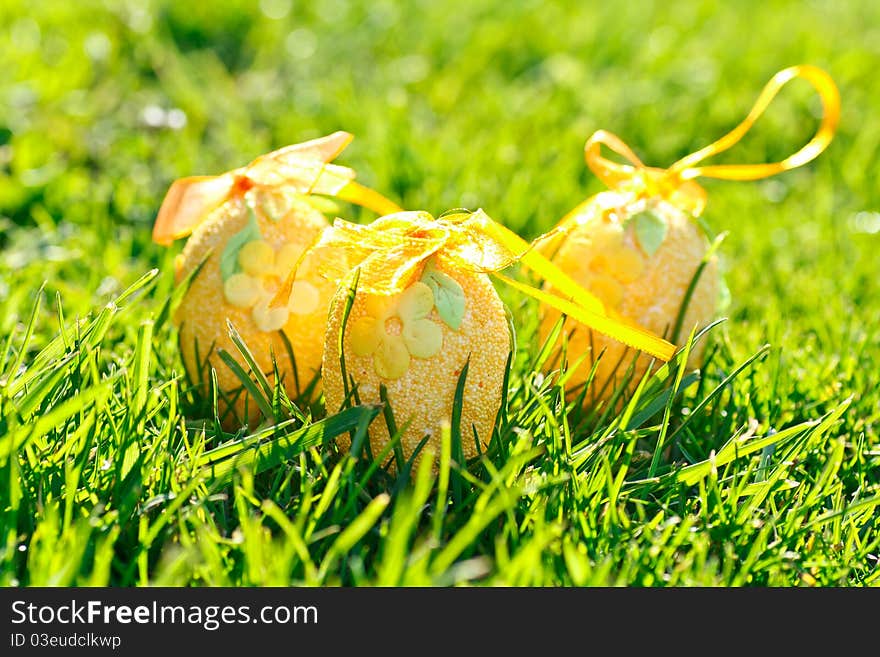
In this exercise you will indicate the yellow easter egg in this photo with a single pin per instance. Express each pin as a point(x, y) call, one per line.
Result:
point(638, 258)
point(416, 347)
point(249, 254)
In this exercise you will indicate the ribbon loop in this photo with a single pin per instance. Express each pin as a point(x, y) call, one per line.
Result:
point(609, 172)
point(676, 184)
point(684, 169)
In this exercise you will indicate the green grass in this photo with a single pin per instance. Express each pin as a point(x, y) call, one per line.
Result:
point(762, 470)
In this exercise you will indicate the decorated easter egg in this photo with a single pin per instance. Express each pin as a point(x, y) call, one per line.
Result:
point(639, 250)
point(638, 256)
point(416, 344)
point(244, 255)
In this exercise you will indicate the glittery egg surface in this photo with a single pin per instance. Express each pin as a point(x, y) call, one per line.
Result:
point(639, 259)
point(249, 246)
point(417, 350)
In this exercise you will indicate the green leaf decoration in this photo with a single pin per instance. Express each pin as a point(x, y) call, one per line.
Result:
point(448, 296)
point(229, 257)
point(650, 229)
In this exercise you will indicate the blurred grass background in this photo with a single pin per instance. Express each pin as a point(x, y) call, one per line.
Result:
point(456, 103)
point(103, 104)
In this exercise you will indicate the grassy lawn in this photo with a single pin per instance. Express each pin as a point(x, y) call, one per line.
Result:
point(112, 471)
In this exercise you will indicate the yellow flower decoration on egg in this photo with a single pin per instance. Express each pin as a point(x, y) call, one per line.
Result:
point(254, 272)
point(396, 329)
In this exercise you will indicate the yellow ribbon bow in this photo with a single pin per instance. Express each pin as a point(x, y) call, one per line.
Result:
point(302, 168)
point(676, 184)
point(391, 252)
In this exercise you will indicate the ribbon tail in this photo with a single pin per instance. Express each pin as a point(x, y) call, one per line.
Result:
point(632, 336)
point(368, 198)
point(530, 257)
point(583, 306)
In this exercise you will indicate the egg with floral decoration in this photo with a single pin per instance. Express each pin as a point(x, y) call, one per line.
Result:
point(416, 343)
point(639, 257)
point(248, 230)
point(640, 250)
point(424, 314)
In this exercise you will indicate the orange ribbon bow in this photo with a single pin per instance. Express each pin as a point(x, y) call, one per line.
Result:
point(302, 168)
point(390, 253)
point(677, 185)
